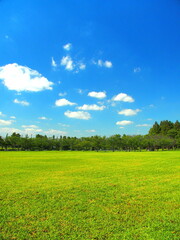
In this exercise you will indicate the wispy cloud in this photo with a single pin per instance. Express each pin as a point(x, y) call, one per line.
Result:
point(143, 125)
point(123, 97)
point(67, 62)
point(20, 78)
point(23, 103)
point(90, 131)
point(67, 46)
point(93, 107)
point(78, 115)
point(101, 63)
point(2, 115)
point(43, 118)
point(129, 112)
point(29, 126)
point(5, 122)
point(53, 63)
point(64, 102)
point(124, 122)
point(99, 95)
point(55, 132)
point(62, 94)
point(137, 70)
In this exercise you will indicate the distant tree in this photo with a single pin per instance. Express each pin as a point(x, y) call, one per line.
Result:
point(166, 126)
point(156, 129)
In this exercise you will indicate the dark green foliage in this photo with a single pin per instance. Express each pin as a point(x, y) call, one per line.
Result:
point(165, 135)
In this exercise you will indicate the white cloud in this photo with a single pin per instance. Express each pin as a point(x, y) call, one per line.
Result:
point(53, 63)
point(101, 63)
point(43, 118)
point(129, 112)
point(137, 69)
point(149, 119)
point(2, 115)
point(62, 94)
point(68, 63)
point(32, 130)
point(124, 122)
point(63, 102)
point(78, 115)
point(21, 78)
point(9, 131)
point(91, 107)
point(29, 126)
point(143, 125)
point(82, 66)
point(108, 64)
point(67, 46)
point(99, 95)
point(13, 117)
point(123, 97)
point(23, 103)
point(51, 132)
point(121, 127)
point(5, 122)
point(90, 131)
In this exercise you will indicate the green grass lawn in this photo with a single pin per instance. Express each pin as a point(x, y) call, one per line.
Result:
point(89, 195)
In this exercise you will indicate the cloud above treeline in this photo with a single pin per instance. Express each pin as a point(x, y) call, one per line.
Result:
point(124, 123)
point(64, 102)
point(99, 95)
point(93, 107)
point(78, 115)
point(123, 97)
point(129, 112)
point(22, 78)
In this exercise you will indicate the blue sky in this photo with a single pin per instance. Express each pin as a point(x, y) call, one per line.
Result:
point(82, 68)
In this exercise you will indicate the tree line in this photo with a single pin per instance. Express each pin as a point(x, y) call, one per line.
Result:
point(165, 135)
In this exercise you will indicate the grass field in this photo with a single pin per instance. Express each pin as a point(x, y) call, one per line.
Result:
point(89, 195)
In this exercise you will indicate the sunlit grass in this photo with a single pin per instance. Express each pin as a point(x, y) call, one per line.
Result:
point(89, 195)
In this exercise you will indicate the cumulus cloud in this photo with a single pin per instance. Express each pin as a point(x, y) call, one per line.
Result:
point(13, 117)
point(101, 63)
point(93, 107)
point(78, 115)
point(67, 62)
point(129, 112)
point(123, 97)
point(5, 122)
point(64, 102)
point(53, 63)
point(124, 122)
point(143, 125)
point(67, 46)
point(99, 95)
point(23, 103)
point(21, 78)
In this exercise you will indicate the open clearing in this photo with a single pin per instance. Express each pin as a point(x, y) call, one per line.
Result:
point(89, 195)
